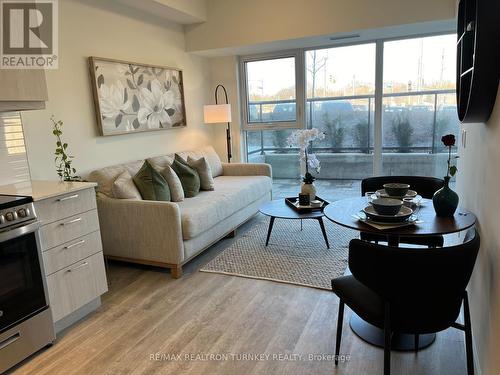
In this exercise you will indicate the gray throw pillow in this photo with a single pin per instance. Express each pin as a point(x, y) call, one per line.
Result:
point(174, 183)
point(124, 188)
point(204, 171)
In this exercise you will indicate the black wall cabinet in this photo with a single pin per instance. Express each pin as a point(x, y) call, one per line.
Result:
point(478, 58)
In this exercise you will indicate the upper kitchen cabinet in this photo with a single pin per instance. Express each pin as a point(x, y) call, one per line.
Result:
point(22, 89)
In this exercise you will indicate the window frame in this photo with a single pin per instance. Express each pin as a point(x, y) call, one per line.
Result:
point(300, 88)
point(299, 123)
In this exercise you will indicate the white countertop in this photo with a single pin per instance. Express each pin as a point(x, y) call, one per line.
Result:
point(40, 190)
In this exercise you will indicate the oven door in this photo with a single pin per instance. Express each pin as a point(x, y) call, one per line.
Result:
point(22, 292)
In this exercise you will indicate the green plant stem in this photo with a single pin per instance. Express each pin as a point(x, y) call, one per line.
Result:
point(449, 161)
point(307, 163)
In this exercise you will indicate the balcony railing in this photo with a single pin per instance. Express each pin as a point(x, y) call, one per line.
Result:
point(344, 106)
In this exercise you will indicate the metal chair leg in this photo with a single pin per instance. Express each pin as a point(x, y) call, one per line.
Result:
point(468, 337)
point(387, 340)
point(340, 321)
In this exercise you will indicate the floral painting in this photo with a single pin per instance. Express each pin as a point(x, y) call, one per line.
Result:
point(132, 97)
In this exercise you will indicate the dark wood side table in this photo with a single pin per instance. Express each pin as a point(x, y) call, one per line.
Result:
point(341, 212)
point(278, 209)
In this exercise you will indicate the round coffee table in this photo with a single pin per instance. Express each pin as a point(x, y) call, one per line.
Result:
point(278, 209)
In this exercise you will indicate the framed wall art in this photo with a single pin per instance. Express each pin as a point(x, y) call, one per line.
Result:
point(131, 97)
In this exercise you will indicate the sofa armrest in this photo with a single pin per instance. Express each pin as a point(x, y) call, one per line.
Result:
point(142, 230)
point(247, 169)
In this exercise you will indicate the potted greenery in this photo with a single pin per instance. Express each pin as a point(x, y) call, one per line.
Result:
point(63, 160)
point(445, 200)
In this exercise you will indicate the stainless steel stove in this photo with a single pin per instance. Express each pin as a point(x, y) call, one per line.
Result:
point(25, 318)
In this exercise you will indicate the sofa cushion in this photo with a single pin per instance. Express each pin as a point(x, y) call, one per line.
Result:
point(209, 154)
point(124, 187)
point(206, 152)
point(105, 177)
point(174, 184)
point(190, 179)
point(231, 194)
point(203, 168)
point(151, 184)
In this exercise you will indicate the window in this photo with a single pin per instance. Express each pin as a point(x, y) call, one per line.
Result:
point(382, 105)
point(273, 95)
point(419, 104)
point(340, 85)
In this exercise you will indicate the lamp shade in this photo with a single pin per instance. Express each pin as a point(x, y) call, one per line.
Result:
point(217, 113)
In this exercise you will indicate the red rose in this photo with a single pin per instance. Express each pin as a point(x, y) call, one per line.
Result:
point(448, 140)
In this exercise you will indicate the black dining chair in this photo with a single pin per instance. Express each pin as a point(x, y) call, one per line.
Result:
point(425, 186)
point(408, 290)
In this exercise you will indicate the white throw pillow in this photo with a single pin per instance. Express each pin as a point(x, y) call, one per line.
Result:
point(204, 171)
point(124, 187)
point(174, 183)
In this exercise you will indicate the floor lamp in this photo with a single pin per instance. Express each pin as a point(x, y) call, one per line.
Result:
point(220, 113)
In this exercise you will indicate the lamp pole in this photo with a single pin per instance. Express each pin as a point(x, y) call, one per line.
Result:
point(228, 129)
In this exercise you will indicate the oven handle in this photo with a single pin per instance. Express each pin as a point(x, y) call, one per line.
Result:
point(10, 340)
point(19, 231)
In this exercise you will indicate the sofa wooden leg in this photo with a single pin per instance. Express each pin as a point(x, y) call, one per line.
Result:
point(231, 234)
point(176, 272)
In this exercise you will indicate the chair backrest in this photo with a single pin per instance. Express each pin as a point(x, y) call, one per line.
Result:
point(425, 186)
point(424, 287)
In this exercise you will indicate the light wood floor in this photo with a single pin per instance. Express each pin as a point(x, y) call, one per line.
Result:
point(147, 312)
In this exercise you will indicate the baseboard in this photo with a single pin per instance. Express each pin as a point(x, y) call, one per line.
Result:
point(75, 316)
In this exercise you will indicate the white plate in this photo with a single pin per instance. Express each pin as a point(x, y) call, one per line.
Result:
point(403, 214)
point(409, 194)
point(411, 220)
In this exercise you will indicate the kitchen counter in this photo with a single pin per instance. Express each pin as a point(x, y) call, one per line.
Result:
point(40, 190)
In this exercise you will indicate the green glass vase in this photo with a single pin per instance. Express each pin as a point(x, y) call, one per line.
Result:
point(445, 200)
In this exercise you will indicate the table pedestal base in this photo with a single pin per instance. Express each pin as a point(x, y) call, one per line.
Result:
point(375, 336)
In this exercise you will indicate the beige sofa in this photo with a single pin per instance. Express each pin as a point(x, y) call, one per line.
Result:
point(169, 234)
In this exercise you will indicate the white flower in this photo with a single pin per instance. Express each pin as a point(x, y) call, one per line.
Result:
point(301, 139)
point(112, 100)
point(313, 162)
point(155, 104)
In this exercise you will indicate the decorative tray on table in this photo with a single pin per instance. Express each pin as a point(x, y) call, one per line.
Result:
point(293, 202)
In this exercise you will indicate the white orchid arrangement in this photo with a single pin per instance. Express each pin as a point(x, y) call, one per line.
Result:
point(302, 139)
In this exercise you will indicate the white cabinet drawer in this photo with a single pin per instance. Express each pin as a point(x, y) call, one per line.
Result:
point(66, 205)
point(68, 229)
point(71, 252)
point(76, 285)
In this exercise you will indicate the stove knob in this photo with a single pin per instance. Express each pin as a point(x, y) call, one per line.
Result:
point(9, 216)
point(22, 212)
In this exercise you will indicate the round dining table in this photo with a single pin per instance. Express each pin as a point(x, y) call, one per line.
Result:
point(346, 212)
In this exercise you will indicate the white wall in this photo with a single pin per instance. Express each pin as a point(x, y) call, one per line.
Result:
point(224, 71)
point(106, 29)
point(233, 23)
point(478, 185)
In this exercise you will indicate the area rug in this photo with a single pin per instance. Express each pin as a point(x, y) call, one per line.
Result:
point(294, 255)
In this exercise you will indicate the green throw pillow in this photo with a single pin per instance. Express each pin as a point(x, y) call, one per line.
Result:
point(151, 184)
point(190, 179)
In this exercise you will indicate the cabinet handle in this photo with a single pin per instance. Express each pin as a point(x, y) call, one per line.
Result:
point(84, 264)
point(74, 244)
point(12, 339)
point(68, 198)
point(72, 221)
